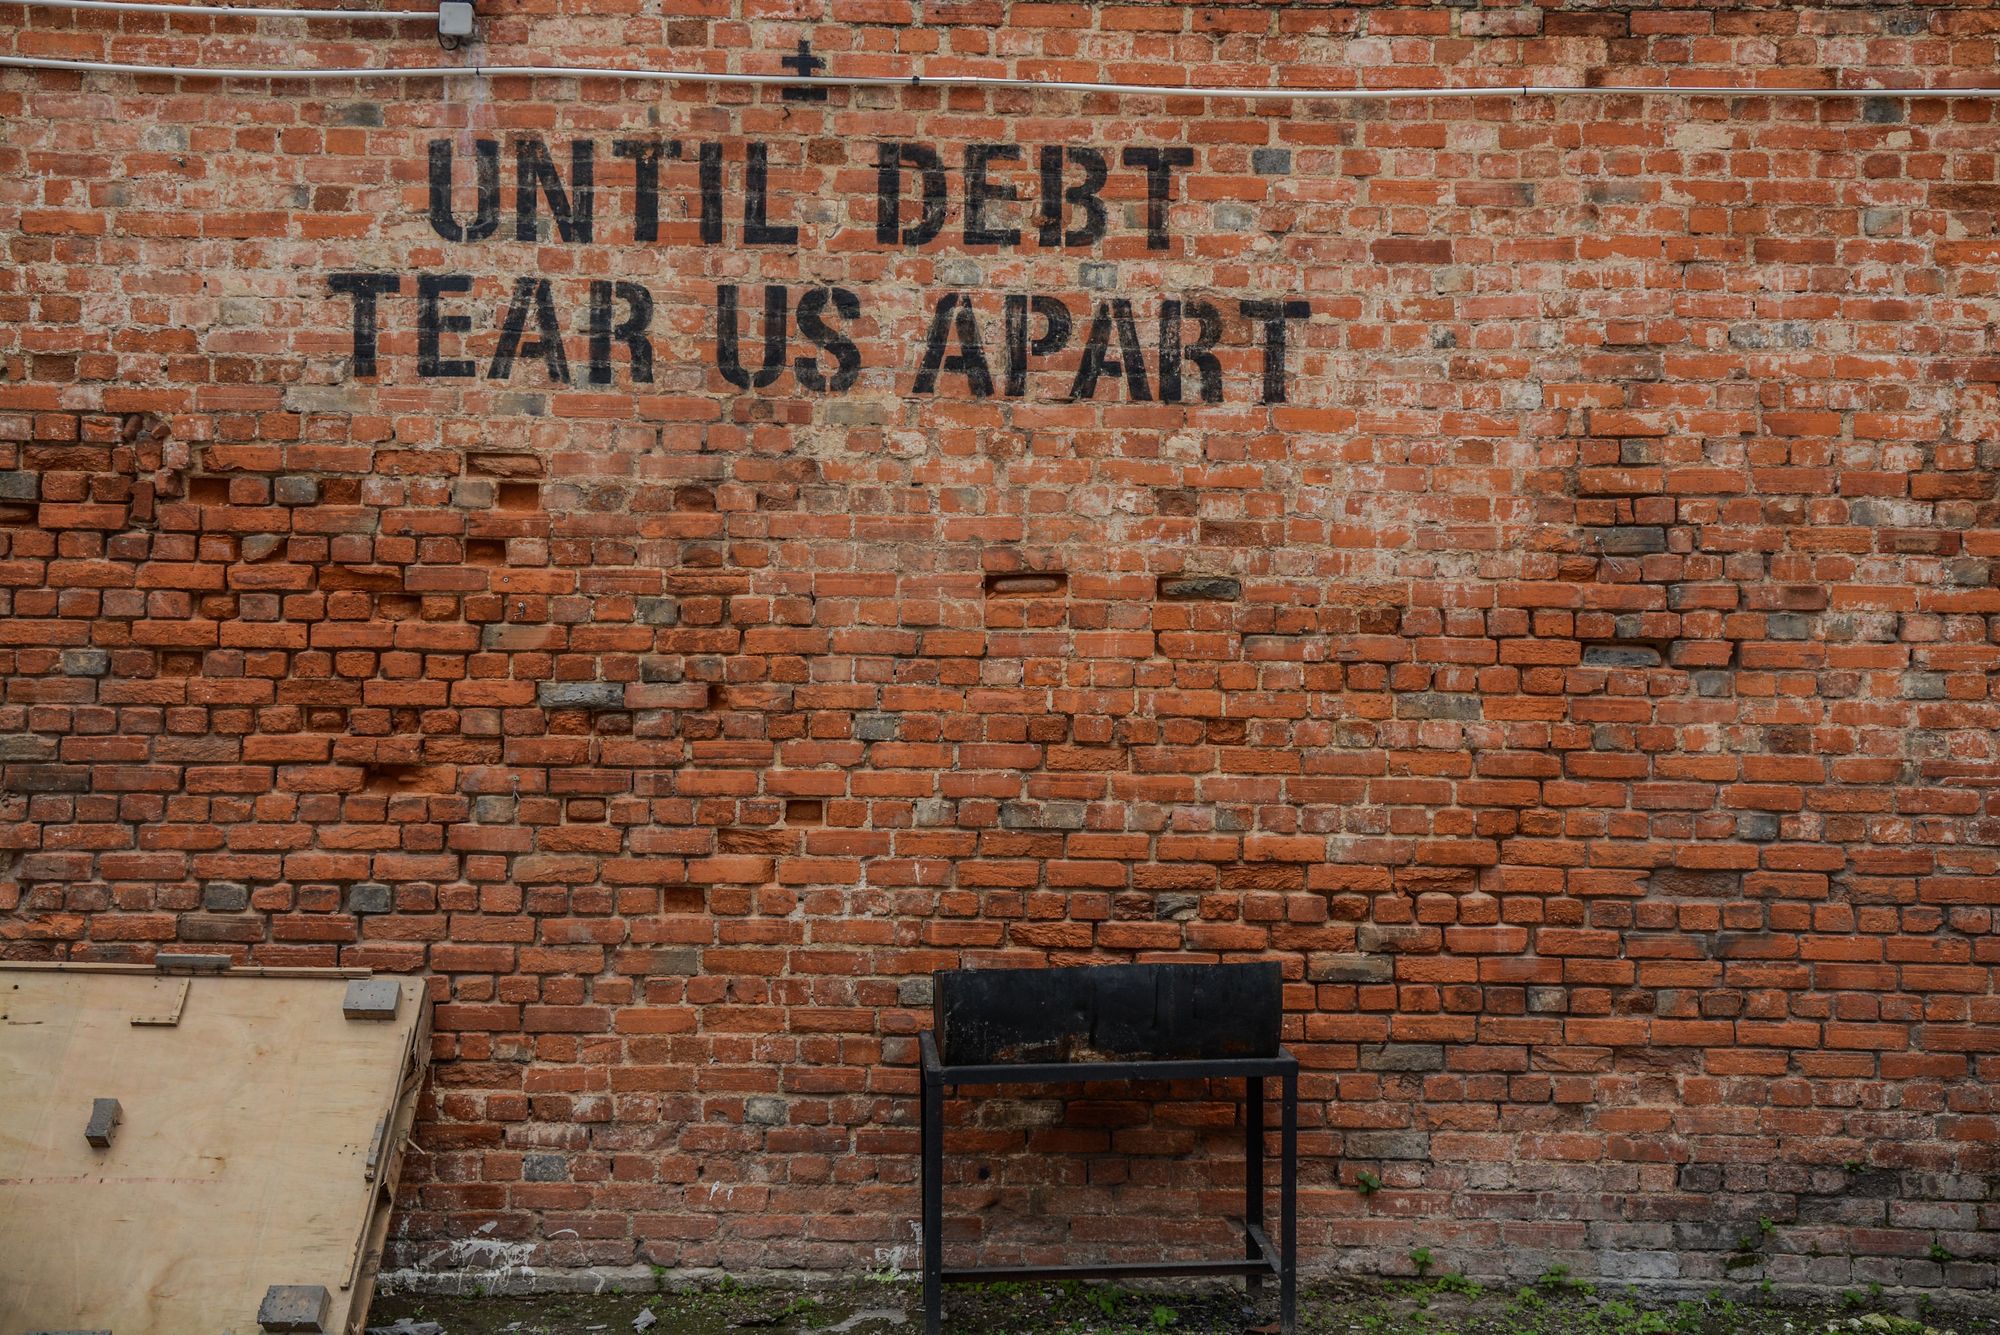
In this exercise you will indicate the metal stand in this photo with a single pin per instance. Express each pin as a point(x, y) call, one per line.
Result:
point(1260, 1258)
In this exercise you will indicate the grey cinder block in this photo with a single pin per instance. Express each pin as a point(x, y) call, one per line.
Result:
point(371, 999)
point(105, 1114)
point(294, 1307)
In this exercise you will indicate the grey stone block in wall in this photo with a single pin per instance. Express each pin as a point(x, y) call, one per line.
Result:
point(673, 960)
point(370, 897)
point(657, 611)
point(1335, 967)
point(580, 695)
point(1881, 221)
point(876, 727)
point(1789, 626)
point(1201, 588)
point(545, 1168)
point(1756, 826)
point(1632, 540)
point(1233, 217)
point(1402, 1057)
point(225, 897)
point(960, 271)
point(1041, 815)
point(764, 1111)
point(1440, 704)
point(1923, 685)
point(1714, 682)
point(1271, 161)
point(296, 489)
point(85, 662)
point(472, 493)
point(19, 486)
point(1620, 655)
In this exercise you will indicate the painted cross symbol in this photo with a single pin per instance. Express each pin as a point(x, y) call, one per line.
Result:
point(806, 65)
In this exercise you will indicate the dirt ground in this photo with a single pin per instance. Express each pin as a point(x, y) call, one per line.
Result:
point(1448, 1305)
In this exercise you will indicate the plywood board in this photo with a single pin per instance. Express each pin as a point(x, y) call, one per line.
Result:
point(260, 1139)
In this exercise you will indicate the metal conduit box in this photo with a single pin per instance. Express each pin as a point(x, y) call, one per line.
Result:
point(191, 1150)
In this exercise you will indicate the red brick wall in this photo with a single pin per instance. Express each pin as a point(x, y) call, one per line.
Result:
point(1586, 699)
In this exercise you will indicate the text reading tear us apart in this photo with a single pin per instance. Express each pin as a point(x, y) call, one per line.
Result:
point(985, 344)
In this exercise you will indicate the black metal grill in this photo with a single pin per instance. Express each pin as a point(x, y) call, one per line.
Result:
point(1117, 1022)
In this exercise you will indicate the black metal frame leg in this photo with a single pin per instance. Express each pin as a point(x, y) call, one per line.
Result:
point(933, 1205)
point(1253, 1177)
point(1288, 1208)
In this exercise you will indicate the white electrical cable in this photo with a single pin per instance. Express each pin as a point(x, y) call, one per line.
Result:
point(965, 81)
point(838, 81)
point(913, 80)
point(234, 11)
